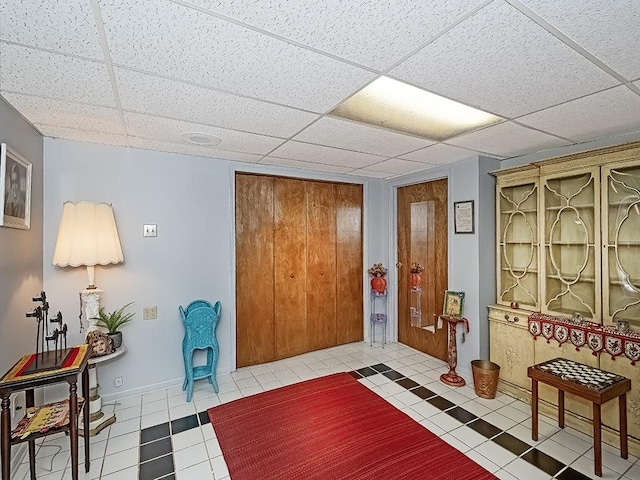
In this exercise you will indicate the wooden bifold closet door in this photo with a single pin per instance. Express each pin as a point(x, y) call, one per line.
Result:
point(298, 266)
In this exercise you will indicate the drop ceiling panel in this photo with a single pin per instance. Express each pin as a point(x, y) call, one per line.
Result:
point(172, 40)
point(39, 110)
point(64, 26)
point(35, 72)
point(168, 130)
point(396, 166)
point(375, 34)
point(613, 112)
point(359, 137)
point(154, 95)
point(88, 136)
point(307, 152)
point(319, 167)
point(588, 23)
point(497, 56)
point(440, 153)
point(369, 173)
point(188, 149)
point(507, 139)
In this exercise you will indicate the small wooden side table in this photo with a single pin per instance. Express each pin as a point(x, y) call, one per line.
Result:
point(19, 378)
point(592, 384)
point(451, 378)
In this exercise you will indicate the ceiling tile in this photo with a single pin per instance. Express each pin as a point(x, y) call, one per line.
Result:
point(307, 152)
point(362, 138)
point(440, 153)
point(172, 40)
point(608, 113)
point(154, 95)
point(501, 62)
point(39, 110)
point(82, 135)
point(38, 23)
point(187, 149)
point(368, 173)
point(319, 167)
point(165, 129)
point(26, 70)
point(608, 29)
point(374, 34)
point(397, 166)
point(507, 139)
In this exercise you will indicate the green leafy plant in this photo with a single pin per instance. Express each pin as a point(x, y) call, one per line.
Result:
point(114, 320)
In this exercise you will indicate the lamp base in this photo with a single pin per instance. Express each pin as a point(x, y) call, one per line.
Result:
point(91, 302)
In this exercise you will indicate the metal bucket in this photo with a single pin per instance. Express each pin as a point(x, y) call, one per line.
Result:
point(485, 378)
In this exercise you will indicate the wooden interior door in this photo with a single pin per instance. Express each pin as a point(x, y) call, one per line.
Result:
point(255, 336)
point(290, 251)
point(349, 308)
point(321, 265)
point(422, 238)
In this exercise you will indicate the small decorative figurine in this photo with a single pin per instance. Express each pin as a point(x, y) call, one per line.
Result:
point(48, 360)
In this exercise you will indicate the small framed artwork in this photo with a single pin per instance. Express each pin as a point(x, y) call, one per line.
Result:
point(15, 184)
point(453, 304)
point(463, 216)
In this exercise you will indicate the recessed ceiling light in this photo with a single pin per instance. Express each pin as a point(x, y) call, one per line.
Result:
point(200, 138)
point(395, 105)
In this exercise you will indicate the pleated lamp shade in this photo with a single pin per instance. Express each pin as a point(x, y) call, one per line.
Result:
point(87, 236)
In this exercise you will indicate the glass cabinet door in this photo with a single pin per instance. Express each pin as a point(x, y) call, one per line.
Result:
point(571, 244)
point(518, 246)
point(621, 244)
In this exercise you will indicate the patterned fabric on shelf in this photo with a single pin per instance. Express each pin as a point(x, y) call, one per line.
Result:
point(597, 337)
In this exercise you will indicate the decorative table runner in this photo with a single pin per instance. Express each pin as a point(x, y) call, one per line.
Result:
point(581, 332)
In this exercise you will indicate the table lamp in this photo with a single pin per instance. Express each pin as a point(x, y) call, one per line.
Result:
point(87, 237)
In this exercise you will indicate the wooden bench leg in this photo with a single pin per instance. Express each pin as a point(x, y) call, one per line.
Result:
point(597, 439)
point(624, 445)
point(534, 410)
point(561, 408)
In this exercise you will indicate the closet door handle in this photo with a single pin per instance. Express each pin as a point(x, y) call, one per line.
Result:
point(398, 264)
point(292, 275)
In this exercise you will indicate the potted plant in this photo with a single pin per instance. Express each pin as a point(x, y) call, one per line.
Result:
point(113, 321)
point(416, 270)
point(378, 282)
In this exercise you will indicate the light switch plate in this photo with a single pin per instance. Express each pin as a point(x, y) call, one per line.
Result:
point(150, 230)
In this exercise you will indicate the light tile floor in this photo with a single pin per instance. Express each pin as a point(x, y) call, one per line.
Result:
point(160, 435)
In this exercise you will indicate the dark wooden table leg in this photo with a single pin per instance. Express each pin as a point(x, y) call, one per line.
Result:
point(29, 401)
point(561, 408)
point(6, 437)
point(624, 443)
point(85, 418)
point(73, 428)
point(597, 438)
point(534, 410)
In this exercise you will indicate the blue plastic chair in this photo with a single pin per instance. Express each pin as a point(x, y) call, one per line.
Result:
point(200, 321)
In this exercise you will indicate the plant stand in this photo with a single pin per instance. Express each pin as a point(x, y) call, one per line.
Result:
point(378, 317)
point(451, 378)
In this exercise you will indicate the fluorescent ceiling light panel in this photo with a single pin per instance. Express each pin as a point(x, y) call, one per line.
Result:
point(394, 105)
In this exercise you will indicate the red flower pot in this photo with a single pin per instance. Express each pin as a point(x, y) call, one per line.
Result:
point(379, 284)
point(416, 280)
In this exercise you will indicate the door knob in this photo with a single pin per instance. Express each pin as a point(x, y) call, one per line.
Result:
point(398, 264)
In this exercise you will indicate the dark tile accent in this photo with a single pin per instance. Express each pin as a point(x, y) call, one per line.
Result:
point(204, 418)
point(154, 433)
point(156, 449)
point(423, 392)
point(156, 468)
point(543, 461)
point(355, 374)
point(380, 367)
point(440, 402)
point(571, 474)
point(407, 383)
point(393, 375)
point(367, 371)
point(511, 443)
point(484, 428)
point(461, 414)
point(184, 423)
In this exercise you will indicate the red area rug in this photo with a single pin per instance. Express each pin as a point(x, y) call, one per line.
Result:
point(331, 428)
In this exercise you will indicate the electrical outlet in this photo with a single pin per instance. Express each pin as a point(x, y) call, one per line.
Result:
point(18, 403)
point(117, 381)
point(150, 312)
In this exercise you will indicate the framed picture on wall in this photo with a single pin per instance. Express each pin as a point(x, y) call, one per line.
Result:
point(15, 185)
point(463, 216)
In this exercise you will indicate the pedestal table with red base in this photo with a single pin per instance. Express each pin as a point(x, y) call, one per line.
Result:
point(451, 378)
